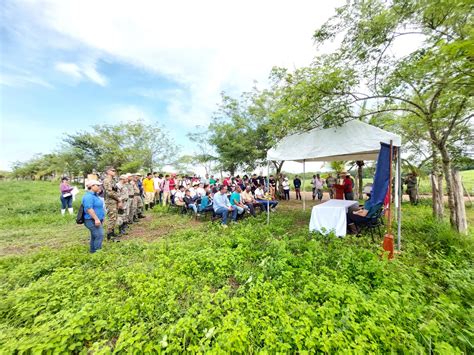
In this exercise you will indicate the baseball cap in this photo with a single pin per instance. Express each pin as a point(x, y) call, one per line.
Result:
point(93, 182)
point(124, 176)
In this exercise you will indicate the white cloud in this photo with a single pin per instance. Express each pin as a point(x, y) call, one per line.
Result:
point(206, 46)
point(21, 80)
point(80, 72)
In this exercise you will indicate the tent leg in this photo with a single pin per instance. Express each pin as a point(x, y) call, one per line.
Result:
point(399, 207)
point(268, 184)
point(304, 192)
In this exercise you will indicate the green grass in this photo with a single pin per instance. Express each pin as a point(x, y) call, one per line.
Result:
point(177, 285)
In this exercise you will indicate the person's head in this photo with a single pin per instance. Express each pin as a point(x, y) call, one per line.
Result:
point(223, 189)
point(201, 185)
point(160, 176)
point(181, 188)
point(329, 175)
point(110, 171)
point(207, 176)
point(187, 192)
point(94, 185)
point(155, 173)
point(64, 180)
point(314, 176)
point(208, 193)
point(248, 188)
point(317, 175)
point(167, 177)
point(123, 178)
point(149, 175)
point(238, 189)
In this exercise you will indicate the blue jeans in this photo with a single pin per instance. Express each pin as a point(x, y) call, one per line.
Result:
point(66, 202)
point(193, 207)
point(264, 203)
point(225, 212)
point(97, 234)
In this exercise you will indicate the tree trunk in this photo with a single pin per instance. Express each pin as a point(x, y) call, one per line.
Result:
point(437, 187)
point(449, 184)
point(458, 194)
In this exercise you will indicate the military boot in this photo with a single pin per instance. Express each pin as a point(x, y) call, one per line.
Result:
point(122, 230)
point(111, 235)
point(152, 204)
point(146, 206)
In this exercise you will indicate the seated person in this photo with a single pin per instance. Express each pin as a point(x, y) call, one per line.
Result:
point(222, 205)
point(362, 216)
point(264, 199)
point(206, 203)
point(248, 199)
point(236, 202)
point(190, 201)
point(201, 190)
point(179, 196)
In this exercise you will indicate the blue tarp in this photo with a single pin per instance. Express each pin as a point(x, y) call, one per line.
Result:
point(382, 176)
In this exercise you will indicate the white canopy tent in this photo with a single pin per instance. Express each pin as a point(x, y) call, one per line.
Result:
point(355, 140)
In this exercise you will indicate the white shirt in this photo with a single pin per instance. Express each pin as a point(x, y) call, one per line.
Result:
point(286, 185)
point(259, 193)
point(200, 191)
point(318, 183)
point(179, 195)
point(192, 191)
point(157, 183)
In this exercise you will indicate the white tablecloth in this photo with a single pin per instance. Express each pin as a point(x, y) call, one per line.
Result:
point(331, 216)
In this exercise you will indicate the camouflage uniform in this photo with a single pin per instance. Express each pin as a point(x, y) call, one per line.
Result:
point(124, 211)
point(136, 200)
point(412, 187)
point(112, 198)
point(131, 204)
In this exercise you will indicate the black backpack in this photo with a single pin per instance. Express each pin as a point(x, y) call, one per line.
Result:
point(80, 215)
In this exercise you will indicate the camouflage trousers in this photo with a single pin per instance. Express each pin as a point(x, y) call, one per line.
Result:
point(139, 204)
point(124, 213)
point(112, 215)
point(132, 210)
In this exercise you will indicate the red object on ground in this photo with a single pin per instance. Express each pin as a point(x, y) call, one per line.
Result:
point(388, 245)
point(339, 192)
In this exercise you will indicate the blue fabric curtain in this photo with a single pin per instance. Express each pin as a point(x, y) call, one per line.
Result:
point(382, 176)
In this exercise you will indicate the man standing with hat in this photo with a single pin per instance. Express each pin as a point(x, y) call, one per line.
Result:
point(112, 202)
point(94, 214)
point(124, 211)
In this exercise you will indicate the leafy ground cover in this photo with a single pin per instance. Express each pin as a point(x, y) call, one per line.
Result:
point(179, 285)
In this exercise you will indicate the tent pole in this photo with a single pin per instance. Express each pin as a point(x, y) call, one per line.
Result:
point(400, 195)
point(268, 184)
point(395, 186)
point(304, 192)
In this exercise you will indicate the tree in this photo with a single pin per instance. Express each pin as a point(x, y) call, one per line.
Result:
point(127, 146)
point(430, 86)
point(202, 149)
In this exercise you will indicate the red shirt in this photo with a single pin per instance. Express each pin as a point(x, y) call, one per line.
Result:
point(226, 182)
point(347, 185)
point(172, 184)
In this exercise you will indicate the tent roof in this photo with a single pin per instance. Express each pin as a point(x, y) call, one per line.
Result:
point(355, 140)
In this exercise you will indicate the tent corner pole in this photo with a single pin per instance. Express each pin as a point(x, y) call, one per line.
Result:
point(304, 178)
point(268, 184)
point(400, 197)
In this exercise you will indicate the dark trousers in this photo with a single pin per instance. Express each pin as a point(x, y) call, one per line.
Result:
point(349, 195)
point(66, 202)
point(251, 208)
point(298, 193)
point(287, 194)
point(356, 219)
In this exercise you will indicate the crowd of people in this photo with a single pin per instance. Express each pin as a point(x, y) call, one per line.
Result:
point(125, 198)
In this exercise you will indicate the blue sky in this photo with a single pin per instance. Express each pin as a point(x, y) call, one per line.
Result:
point(66, 65)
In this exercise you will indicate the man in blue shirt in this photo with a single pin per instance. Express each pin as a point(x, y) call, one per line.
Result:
point(222, 205)
point(94, 214)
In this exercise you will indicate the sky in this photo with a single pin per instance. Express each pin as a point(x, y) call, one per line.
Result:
point(67, 65)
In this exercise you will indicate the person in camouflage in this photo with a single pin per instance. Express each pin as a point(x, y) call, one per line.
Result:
point(124, 211)
point(137, 197)
point(131, 197)
point(412, 187)
point(112, 202)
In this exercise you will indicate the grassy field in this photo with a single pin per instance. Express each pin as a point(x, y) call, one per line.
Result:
point(177, 285)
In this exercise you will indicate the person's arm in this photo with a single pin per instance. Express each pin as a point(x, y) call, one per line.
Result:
point(87, 203)
point(91, 213)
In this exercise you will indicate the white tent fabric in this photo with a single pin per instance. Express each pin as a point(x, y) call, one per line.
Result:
point(355, 140)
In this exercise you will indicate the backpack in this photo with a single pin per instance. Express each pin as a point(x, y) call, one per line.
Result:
point(80, 215)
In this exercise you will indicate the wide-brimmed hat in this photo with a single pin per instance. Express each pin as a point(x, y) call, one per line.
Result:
point(93, 182)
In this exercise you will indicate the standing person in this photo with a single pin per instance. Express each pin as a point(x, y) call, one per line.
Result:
point(123, 212)
point(212, 181)
point(313, 182)
point(66, 196)
point(222, 206)
point(139, 183)
point(165, 188)
point(330, 182)
point(112, 202)
point(132, 205)
point(157, 185)
point(149, 190)
point(318, 187)
point(286, 188)
point(94, 214)
point(412, 187)
point(347, 182)
point(297, 185)
point(272, 182)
